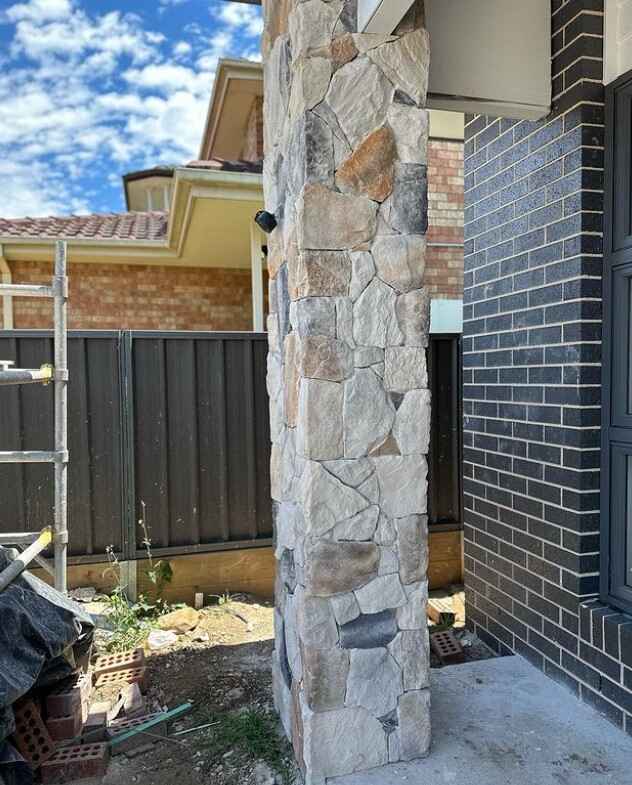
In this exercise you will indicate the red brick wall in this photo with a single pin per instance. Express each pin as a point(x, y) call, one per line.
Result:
point(444, 265)
point(253, 146)
point(121, 296)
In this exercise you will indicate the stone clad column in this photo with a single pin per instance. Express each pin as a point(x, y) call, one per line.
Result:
point(345, 175)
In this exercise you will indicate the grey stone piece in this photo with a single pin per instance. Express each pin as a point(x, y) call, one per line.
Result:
point(316, 622)
point(412, 423)
point(400, 261)
point(331, 221)
point(321, 274)
point(277, 72)
point(360, 528)
point(311, 25)
point(342, 742)
point(287, 570)
point(369, 632)
point(344, 320)
point(370, 489)
point(339, 567)
point(408, 212)
point(367, 356)
point(315, 316)
point(326, 501)
point(353, 472)
point(368, 414)
point(319, 432)
point(318, 146)
point(366, 41)
point(282, 696)
point(411, 651)
point(346, 608)
point(412, 541)
point(410, 127)
point(342, 148)
point(292, 642)
point(374, 319)
point(414, 724)
point(394, 747)
point(283, 302)
point(405, 369)
point(282, 461)
point(320, 357)
point(287, 519)
point(389, 562)
point(402, 480)
point(386, 533)
point(309, 86)
point(362, 272)
point(405, 62)
point(413, 317)
point(375, 681)
point(412, 616)
point(325, 674)
point(360, 77)
point(381, 594)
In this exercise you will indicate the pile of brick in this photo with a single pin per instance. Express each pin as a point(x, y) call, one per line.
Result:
point(65, 734)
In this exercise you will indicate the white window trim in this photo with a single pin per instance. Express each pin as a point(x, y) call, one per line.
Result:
point(381, 16)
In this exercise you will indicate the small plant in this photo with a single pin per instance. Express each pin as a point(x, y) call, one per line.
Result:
point(222, 599)
point(252, 735)
point(159, 573)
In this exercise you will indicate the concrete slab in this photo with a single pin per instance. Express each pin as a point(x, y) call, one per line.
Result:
point(502, 722)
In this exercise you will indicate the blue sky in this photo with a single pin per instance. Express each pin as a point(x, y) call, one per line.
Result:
point(91, 89)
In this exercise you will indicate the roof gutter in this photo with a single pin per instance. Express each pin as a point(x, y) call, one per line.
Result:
point(7, 300)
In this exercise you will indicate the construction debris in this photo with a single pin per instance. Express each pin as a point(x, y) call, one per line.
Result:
point(181, 621)
point(447, 647)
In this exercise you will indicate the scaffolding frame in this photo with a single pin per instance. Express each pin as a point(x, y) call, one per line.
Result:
point(58, 374)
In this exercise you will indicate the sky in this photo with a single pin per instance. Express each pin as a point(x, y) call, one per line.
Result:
point(92, 89)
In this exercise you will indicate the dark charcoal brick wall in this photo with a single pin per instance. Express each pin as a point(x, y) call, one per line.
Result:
point(532, 350)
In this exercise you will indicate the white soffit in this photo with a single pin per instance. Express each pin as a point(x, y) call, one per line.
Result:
point(381, 16)
point(618, 43)
point(490, 56)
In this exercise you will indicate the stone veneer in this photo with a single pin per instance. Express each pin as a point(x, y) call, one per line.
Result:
point(345, 174)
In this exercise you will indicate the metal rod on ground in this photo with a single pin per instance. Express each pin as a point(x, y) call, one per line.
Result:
point(24, 559)
point(60, 289)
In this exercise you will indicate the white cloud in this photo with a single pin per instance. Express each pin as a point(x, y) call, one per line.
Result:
point(246, 18)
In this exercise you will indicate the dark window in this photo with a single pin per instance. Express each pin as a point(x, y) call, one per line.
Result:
point(616, 502)
point(444, 459)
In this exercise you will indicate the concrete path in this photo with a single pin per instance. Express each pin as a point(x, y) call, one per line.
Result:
point(502, 722)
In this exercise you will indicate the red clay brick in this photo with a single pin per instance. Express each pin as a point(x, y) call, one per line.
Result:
point(95, 727)
point(76, 763)
point(66, 728)
point(110, 663)
point(31, 736)
point(131, 676)
point(122, 726)
point(68, 698)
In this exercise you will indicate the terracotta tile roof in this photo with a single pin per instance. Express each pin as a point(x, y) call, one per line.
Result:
point(221, 165)
point(110, 226)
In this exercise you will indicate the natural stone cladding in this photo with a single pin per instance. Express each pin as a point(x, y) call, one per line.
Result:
point(345, 174)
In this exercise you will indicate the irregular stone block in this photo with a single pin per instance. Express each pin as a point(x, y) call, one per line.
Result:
point(319, 357)
point(286, 570)
point(340, 567)
point(352, 473)
point(375, 681)
point(311, 153)
point(345, 607)
point(309, 85)
point(408, 206)
point(292, 641)
point(412, 423)
point(386, 532)
point(405, 63)
point(412, 616)
point(400, 261)
point(374, 320)
point(411, 651)
point(381, 594)
point(327, 220)
point(343, 50)
point(412, 542)
point(277, 72)
point(326, 501)
point(316, 622)
point(413, 317)
point(363, 271)
point(389, 562)
point(359, 528)
point(344, 320)
point(311, 25)
point(360, 77)
point(410, 128)
point(320, 274)
point(287, 519)
point(292, 380)
point(370, 169)
point(413, 713)
point(370, 489)
point(282, 458)
point(367, 356)
point(369, 632)
point(388, 447)
point(405, 369)
point(315, 316)
point(282, 696)
point(368, 413)
point(342, 742)
point(325, 674)
point(402, 481)
point(319, 432)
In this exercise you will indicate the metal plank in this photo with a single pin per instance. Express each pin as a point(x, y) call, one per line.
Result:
point(214, 510)
point(25, 290)
point(182, 444)
point(250, 443)
point(11, 477)
point(262, 440)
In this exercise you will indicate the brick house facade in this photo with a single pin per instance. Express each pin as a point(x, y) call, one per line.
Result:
point(532, 379)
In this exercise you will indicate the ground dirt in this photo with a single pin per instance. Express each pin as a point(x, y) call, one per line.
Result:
point(222, 676)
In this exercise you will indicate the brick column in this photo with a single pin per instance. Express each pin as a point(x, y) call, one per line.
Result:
point(345, 175)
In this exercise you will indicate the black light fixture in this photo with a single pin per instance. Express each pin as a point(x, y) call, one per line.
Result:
point(266, 221)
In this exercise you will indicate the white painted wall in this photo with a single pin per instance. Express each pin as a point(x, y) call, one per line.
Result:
point(618, 44)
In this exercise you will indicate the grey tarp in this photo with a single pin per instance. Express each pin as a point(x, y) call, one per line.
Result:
point(41, 633)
